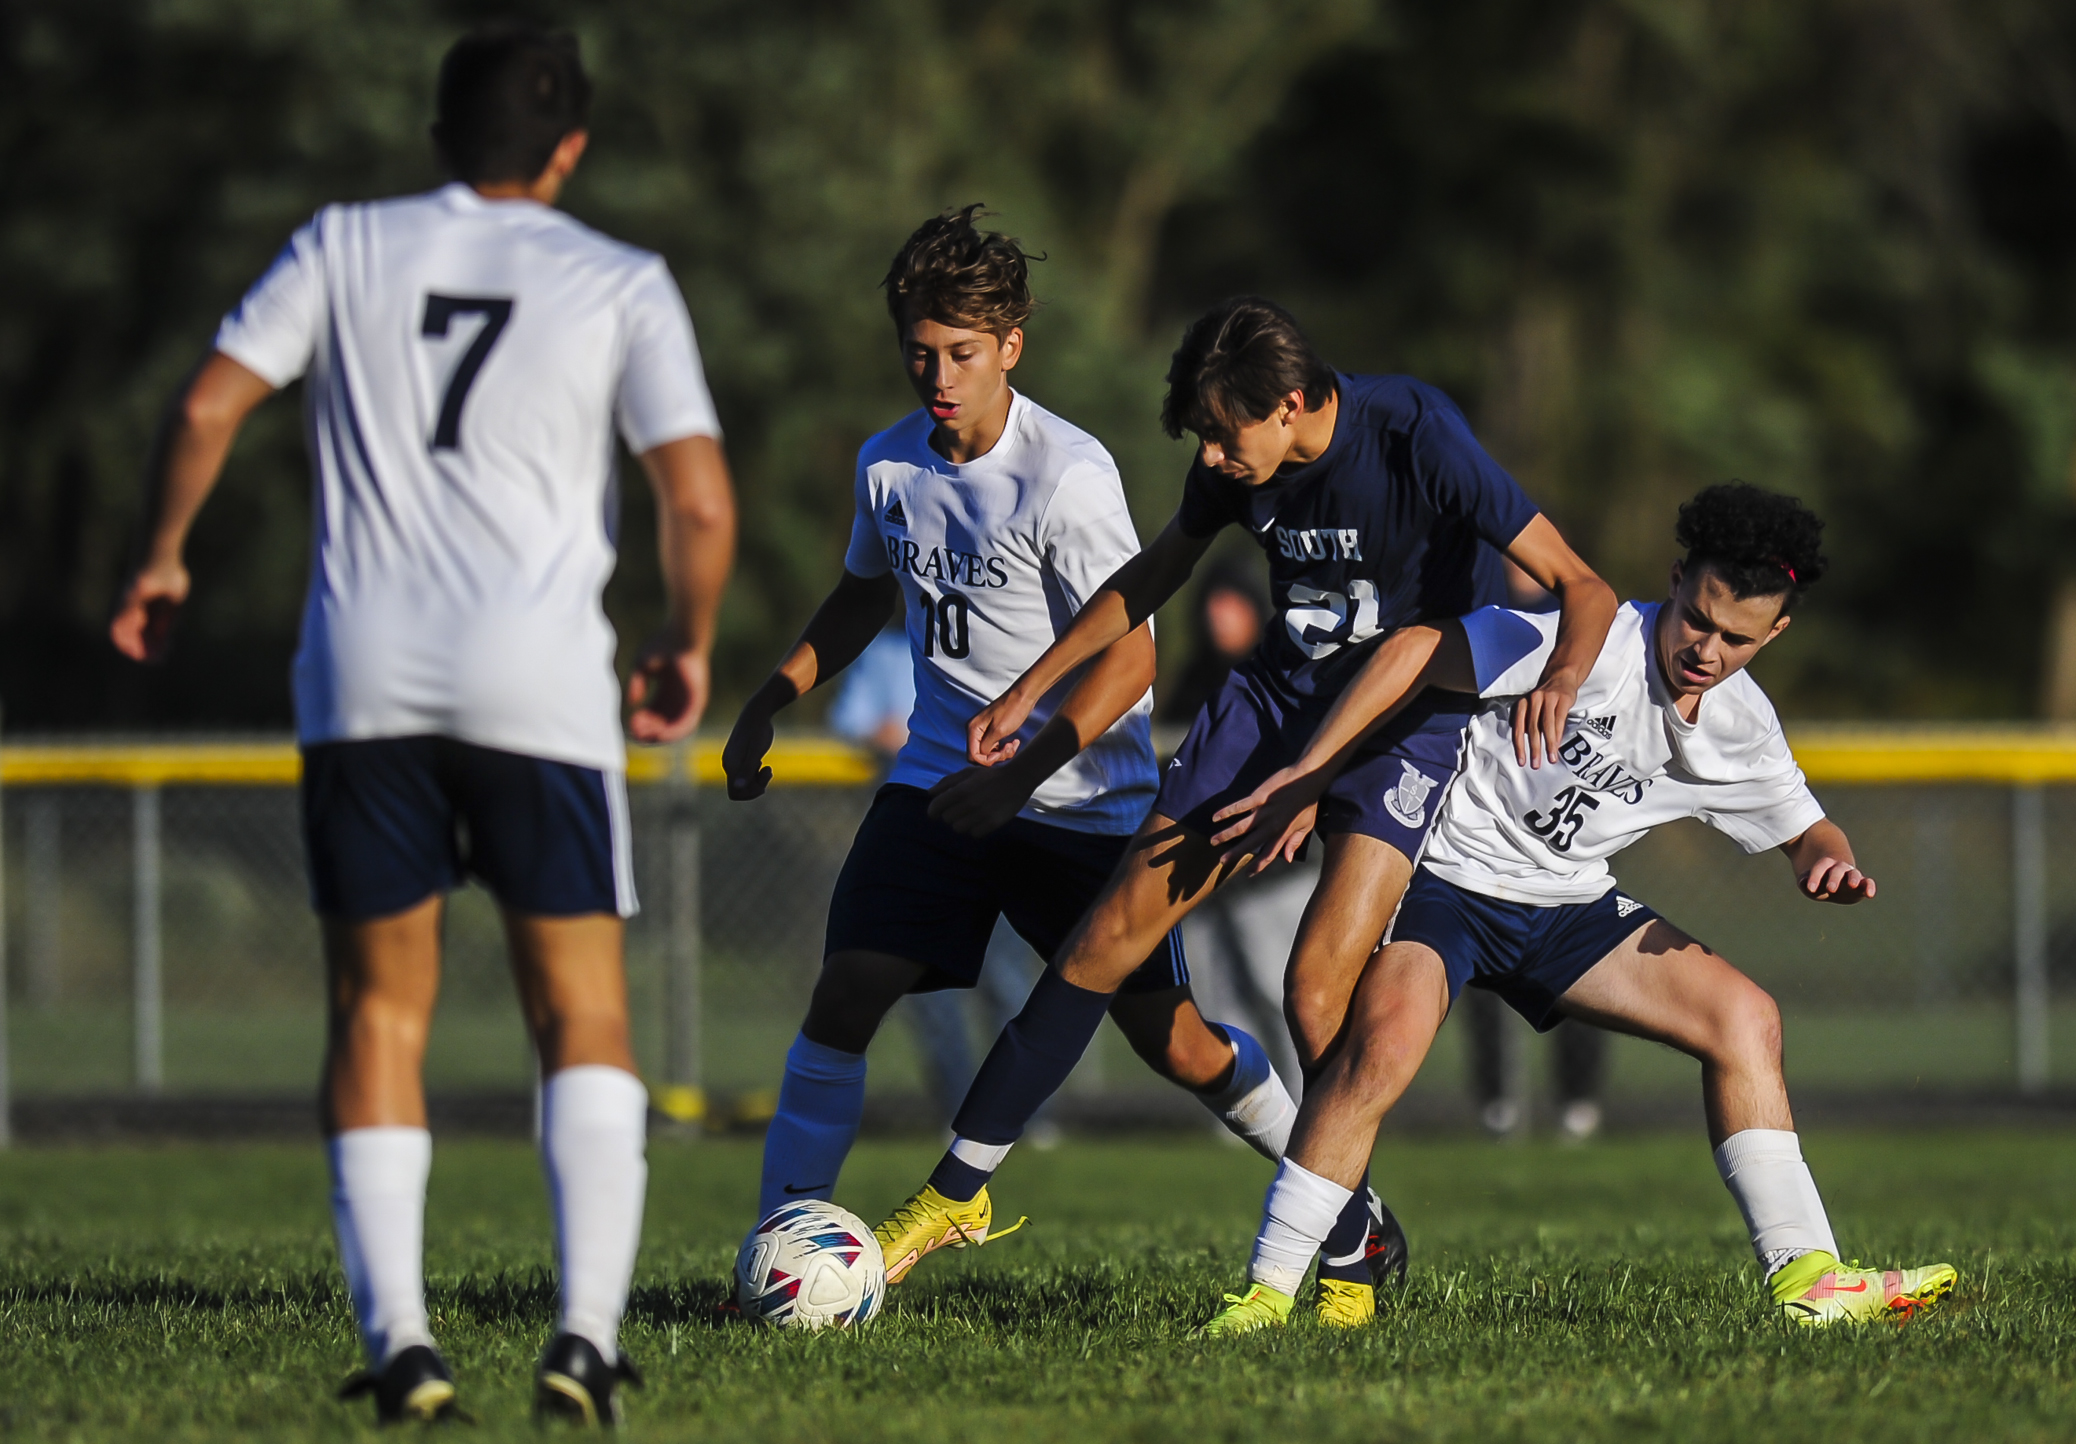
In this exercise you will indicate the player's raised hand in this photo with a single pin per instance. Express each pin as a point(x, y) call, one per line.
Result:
point(143, 623)
point(742, 759)
point(1836, 880)
point(1272, 821)
point(667, 692)
point(976, 801)
point(991, 735)
point(1539, 722)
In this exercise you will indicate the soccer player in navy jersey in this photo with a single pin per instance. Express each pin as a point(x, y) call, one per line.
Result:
point(1377, 508)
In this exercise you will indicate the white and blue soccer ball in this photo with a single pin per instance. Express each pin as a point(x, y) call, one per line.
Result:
point(811, 1264)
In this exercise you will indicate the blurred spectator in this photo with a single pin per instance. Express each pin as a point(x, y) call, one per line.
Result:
point(1225, 626)
point(877, 694)
point(1239, 941)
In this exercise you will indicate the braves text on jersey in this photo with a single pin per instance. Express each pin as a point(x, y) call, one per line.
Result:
point(1628, 762)
point(467, 361)
point(1397, 521)
point(994, 558)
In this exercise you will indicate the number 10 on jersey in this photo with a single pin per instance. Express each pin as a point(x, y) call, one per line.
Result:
point(945, 625)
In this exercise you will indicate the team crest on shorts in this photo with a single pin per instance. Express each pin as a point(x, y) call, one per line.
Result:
point(1408, 801)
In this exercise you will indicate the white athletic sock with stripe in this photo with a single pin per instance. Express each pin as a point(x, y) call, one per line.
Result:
point(1255, 1106)
point(1295, 1220)
point(821, 1102)
point(1764, 1171)
point(594, 1142)
point(378, 1212)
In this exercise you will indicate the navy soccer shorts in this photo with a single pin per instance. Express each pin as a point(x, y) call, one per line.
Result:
point(390, 821)
point(1528, 955)
point(912, 888)
point(1391, 790)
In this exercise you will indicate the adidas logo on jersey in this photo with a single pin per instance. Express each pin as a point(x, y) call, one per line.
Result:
point(1624, 906)
point(895, 515)
point(1601, 727)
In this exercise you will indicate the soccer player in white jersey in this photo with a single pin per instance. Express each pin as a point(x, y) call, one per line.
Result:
point(468, 355)
point(995, 520)
point(1514, 892)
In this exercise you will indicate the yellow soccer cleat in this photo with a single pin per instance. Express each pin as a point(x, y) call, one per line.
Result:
point(1816, 1290)
point(929, 1221)
point(1261, 1307)
point(1343, 1305)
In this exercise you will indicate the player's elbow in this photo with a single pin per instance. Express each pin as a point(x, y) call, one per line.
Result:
point(205, 410)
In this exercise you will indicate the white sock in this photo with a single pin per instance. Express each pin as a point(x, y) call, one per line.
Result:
point(594, 1135)
point(1764, 1171)
point(378, 1212)
point(1295, 1220)
point(821, 1102)
point(1254, 1106)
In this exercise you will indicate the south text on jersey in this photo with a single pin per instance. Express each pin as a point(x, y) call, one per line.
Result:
point(1319, 543)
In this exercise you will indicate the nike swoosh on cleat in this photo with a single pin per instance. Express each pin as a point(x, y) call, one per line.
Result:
point(1858, 1288)
point(832, 1183)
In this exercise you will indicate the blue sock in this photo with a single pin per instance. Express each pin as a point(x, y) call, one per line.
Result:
point(1345, 1254)
point(820, 1105)
point(1026, 1066)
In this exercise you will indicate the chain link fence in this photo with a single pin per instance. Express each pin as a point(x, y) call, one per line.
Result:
point(159, 940)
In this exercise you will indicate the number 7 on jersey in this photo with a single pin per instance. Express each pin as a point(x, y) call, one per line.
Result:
point(439, 312)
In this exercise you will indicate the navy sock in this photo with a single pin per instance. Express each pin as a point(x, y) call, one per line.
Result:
point(1026, 1066)
point(1344, 1255)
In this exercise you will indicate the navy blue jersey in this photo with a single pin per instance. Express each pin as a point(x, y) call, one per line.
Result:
point(1402, 518)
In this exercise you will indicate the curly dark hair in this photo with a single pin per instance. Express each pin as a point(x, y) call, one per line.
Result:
point(1762, 544)
point(956, 274)
point(1236, 361)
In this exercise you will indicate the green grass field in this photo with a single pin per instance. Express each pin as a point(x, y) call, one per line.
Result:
point(1556, 1294)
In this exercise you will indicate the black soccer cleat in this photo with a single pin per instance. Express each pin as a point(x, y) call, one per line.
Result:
point(575, 1384)
point(415, 1387)
point(1386, 1251)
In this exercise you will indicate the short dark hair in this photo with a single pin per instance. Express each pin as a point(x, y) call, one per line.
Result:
point(952, 272)
point(508, 94)
point(1236, 361)
point(1762, 544)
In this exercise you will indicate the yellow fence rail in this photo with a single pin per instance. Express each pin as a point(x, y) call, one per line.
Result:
point(2010, 755)
point(794, 762)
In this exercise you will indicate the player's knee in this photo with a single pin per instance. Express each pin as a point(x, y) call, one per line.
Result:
point(374, 1018)
point(1749, 1026)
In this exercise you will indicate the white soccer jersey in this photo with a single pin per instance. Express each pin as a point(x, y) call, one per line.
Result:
point(467, 361)
point(995, 557)
point(1628, 763)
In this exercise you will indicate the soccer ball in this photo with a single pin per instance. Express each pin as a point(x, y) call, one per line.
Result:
point(809, 1265)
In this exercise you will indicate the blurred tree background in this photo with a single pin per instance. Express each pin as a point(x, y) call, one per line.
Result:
point(1828, 246)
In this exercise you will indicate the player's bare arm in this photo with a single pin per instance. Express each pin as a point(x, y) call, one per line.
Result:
point(182, 471)
point(978, 800)
point(841, 628)
point(695, 535)
point(1824, 868)
point(1275, 819)
point(1134, 592)
point(1586, 608)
